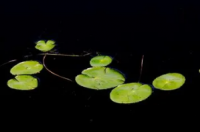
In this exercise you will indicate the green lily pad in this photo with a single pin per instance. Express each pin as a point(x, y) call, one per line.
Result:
point(26, 67)
point(169, 81)
point(23, 82)
point(130, 93)
point(45, 46)
point(100, 61)
point(100, 78)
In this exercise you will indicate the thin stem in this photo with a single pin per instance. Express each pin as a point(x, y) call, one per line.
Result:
point(51, 54)
point(54, 54)
point(141, 67)
point(53, 72)
point(14, 60)
point(8, 62)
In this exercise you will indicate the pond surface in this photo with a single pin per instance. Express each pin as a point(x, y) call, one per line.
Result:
point(126, 46)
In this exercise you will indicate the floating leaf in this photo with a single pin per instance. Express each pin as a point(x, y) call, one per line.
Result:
point(130, 93)
point(100, 61)
point(27, 67)
point(23, 82)
point(45, 46)
point(169, 81)
point(100, 78)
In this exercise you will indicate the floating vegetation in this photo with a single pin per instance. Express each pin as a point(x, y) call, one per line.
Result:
point(97, 77)
point(130, 93)
point(45, 46)
point(169, 81)
point(23, 82)
point(100, 78)
point(26, 67)
point(100, 60)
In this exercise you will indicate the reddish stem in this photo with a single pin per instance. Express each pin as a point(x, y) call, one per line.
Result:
point(141, 67)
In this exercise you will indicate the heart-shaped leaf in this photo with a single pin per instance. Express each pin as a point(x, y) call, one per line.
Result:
point(23, 82)
point(130, 93)
point(45, 46)
point(100, 61)
point(100, 78)
point(26, 67)
point(169, 81)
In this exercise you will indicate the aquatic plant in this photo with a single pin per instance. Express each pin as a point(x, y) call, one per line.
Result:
point(101, 60)
point(130, 93)
point(133, 92)
point(26, 67)
point(97, 77)
point(23, 82)
point(100, 78)
point(169, 81)
point(45, 46)
point(136, 92)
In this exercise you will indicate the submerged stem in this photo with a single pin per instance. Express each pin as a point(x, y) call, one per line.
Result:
point(54, 54)
point(51, 54)
point(8, 62)
point(53, 72)
point(141, 67)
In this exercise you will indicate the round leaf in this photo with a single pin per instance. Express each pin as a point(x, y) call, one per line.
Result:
point(169, 81)
point(23, 82)
point(27, 67)
point(130, 93)
point(100, 61)
point(100, 78)
point(45, 46)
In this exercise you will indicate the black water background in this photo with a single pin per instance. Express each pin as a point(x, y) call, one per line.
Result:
point(168, 40)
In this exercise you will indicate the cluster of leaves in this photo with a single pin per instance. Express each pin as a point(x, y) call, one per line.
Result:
point(100, 77)
point(23, 79)
point(136, 92)
point(96, 77)
point(23, 71)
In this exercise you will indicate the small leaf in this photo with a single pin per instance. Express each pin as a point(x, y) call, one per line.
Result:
point(100, 78)
point(100, 60)
point(23, 82)
point(130, 93)
point(169, 81)
point(26, 67)
point(45, 46)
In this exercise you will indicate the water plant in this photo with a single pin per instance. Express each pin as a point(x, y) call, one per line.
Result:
point(136, 92)
point(101, 60)
point(24, 70)
point(26, 67)
point(169, 81)
point(45, 46)
point(133, 92)
point(100, 78)
point(96, 77)
point(23, 82)
point(130, 93)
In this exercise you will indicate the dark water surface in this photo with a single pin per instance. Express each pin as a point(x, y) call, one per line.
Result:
point(168, 43)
